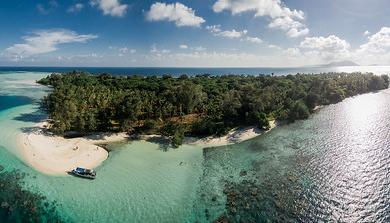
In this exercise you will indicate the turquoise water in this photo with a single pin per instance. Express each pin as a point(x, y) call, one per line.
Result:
point(332, 167)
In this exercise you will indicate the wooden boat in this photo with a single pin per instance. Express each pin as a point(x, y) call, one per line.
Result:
point(83, 172)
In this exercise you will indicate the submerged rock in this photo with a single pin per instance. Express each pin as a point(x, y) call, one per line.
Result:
point(207, 213)
point(21, 205)
point(4, 204)
point(222, 219)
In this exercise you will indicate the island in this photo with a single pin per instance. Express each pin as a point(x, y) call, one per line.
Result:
point(343, 63)
point(85, 111)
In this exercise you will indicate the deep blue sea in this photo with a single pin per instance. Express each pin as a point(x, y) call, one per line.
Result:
point(175, 71)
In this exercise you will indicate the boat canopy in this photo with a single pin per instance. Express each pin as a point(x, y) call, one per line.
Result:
point(84, 170)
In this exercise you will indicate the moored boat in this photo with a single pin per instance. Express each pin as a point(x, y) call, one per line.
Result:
point(84, 173)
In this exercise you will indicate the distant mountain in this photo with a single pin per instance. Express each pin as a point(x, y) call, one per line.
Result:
point(343, 63)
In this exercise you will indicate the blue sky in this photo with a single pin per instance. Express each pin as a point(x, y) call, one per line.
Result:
point(184, 33)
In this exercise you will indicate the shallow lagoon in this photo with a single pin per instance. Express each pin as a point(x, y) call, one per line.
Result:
point(332, 167)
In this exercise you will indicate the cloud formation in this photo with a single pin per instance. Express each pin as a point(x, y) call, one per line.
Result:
point(254, 39)
point(76, 7)
point(377, 43)
point(315, 50)
point(178, 13)
point(231, 34)
point(331, 43)
point(111, 7)
point(46, 41)
point(282, 17)
point(320, 49)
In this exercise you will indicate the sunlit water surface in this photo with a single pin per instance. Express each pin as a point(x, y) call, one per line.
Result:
point(331, 167)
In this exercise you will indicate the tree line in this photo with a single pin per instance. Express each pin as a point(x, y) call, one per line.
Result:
point(199, 105)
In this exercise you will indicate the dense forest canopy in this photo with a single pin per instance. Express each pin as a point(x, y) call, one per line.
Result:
point(198, 105)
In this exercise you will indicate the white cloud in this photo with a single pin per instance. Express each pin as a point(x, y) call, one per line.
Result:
point(176, 12)
point(326, 48)
point(231, 34)
point(294, 32)
point(111, 7)
point(316, 50)
point(155, 52)
point(46, 41)
point(76, 7)
point(292, 27)
point(187, 47)
point(272, 46)
point(377, 43)
point(122, 50)
point(376, 50)
point(330, 43)
point(366, 33)
point(293, 52)
point(199, 48)
point(214, 28)
point(254, 39)
point(281, 16)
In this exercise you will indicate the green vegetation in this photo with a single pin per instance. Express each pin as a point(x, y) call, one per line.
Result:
point(200, 105)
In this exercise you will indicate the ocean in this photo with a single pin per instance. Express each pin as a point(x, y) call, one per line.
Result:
point(333, 167)
point(174, 71)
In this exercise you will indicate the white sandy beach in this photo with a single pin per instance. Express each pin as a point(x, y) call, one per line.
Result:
point(234, 136)
point(54, 155)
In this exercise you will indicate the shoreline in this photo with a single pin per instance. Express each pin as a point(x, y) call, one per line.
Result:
point(237, 135)
point(55, 155)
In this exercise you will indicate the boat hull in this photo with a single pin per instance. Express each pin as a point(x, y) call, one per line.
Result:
point(74, 173)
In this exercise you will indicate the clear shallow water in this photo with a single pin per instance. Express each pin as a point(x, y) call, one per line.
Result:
point(332, 167)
